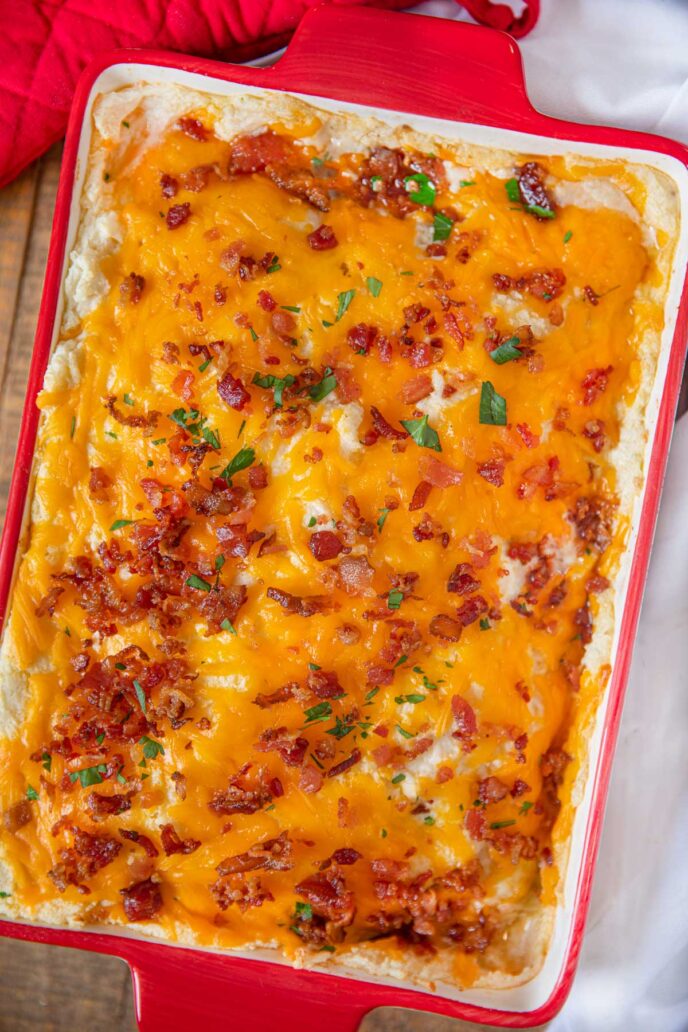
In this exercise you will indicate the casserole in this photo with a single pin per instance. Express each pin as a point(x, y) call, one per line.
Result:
point(530, 149)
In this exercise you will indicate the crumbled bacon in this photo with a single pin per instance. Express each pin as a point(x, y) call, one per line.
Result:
point(438, 473)
point(301, 183)
point(462, 580)
point(592, 517)
point(101, 806)
point(170, 353)
point(221, 604)
point(146, 844)
point(531, 187)
point(273, 854)
point(307, 605)
point(341, 768)
point(545, 284)
point(292, 750)
point(81, 861)
point(283, 694)
point(591, 295)
point(355, 574)
point(177, 215)
point(420, 496)
point(322, 239)
point(385, 429)
point(172, 843)
point(328, 896)
point(492, 790)
point(324, 545)
point(361, 338)
point(595, 383)
point(142, 900)
point(492, 471)
point(415, 389)
point(168, 185)
point(473, 608)
point(445, 627)
point(594, 431)
point(132, 288)
point(310, 779)
point(182, 385)
point(194, 128)
point(237, 799)
point(252, 153)
point(464, 716)
point(232, 391)
point(47, 604)
point(18, 815)
point(147, 422)
point(324, 683)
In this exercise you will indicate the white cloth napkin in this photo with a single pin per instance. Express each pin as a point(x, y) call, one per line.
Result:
point(625, 63)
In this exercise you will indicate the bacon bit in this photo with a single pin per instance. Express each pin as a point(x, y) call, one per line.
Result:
point(445, 627)
point(179, 782)
point(168, 185)
point(300, 606)
point(283, 323)
point(591, 295)
point(310, 779)
point(582, 620)
point(438, 473)
point(383, 428)
point(258, 478)
point(380, 676)
point(556, 314)
point(193, 128)
point(492, 471)
point(182, 385)
point(345, 856)
point(545, 284)
point(443, 774)
point(220, 294)
point(557, 595)
point(348, 388)
point(170, 353)
point(172, 843)
point(47, 604)
point(18, 816)
point(142, 900)
point(252, 153)
point(322, 238)
point(148, 421)
point(471, 610)
point(282, 694)
point(98, 483)
point(232, 391)
point(594, 431)
point(273, 854)
point(415, 389)
point(530, 439)
point(415, 313)
point(361, 337)
point(519, 788)
point(421, 354)
point(348, 634)
point(221, 604)
point(464, 715)
point(531, 187)
point(177, 215)
point(132, 288)
point(355, 574)
point(436, 250)
point(266, 301)
point(597, 584)
point(343, 812)
point(382, 754)
point(301, 183)
point(140, 840)
point(101, 806)
point(341, 768)
point(492, 790)
point(452, 327)
point(592, 517)
point(595, 383)
point(420, 496)
point(324, 684)
point(418, 747)
point(462, 580)
point(475, 822)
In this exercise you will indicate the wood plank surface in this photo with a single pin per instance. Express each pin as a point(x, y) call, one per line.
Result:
point(46, 988)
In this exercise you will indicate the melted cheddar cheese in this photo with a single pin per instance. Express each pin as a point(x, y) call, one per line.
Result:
point(324, 521)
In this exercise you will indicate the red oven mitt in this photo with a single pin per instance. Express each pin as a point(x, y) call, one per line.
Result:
point(45, 44)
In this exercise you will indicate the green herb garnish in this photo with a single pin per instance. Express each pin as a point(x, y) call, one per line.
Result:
point(374, 286)
point(492, 406)
point(394, 599)
point(506, 352)
point(423, 434)
point(197, 582)
point(425, 191)
point(243, 458)
point(441, 227)
point(275, 383)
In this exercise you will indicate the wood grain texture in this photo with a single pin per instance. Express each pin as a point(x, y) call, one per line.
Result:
point(46, 988)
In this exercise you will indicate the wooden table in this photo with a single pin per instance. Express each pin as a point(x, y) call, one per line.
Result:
point(43, 988)
point(46, 988)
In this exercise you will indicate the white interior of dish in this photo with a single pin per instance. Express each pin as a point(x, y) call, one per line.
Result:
point(536, 992)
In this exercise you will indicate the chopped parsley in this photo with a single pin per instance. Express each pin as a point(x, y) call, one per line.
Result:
point(441, 227)
point(318, 391)
point(323, 711)
point(128, 400)
point(195, 424)
point(151, 748)
point(398, 778)
point(506, 352)
point(414, 698)
point(394, 599)
point(340, 730)
point(383, 832)
point(112, 434)
point(304, 911)
point(291, 308)
point(374, 286)
point(384, 513)
point(275, 267)
point(118, 524)
point(31, 792)
point(467, 182)
point(72, 426)
point(371, 695)
point(484, 624)
point(492, 406)
point(227, 625)
point(424, 192)
point(275, 383)
point(141, 696)
point(89, 775)
point(512, 190)
point(204, 365)
point(542, 213)
point(5, 895)
point(496, 825)
point(243, 458)
point(525, 807)
point(567, 235)
point(422, 433)
point(344, 299)
point(197, 582)
point(312, 521)
point(403, 732)
point(47, 761)
point(428, 820)
point(314, 666)
point(401, 661)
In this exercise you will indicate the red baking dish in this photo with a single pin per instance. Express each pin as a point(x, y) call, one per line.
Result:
point(422, 68)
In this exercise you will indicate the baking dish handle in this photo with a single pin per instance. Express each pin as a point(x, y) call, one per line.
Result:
point(476, 72)
point(179, 991)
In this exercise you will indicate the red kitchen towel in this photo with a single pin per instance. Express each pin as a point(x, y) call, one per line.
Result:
point(45, 44)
